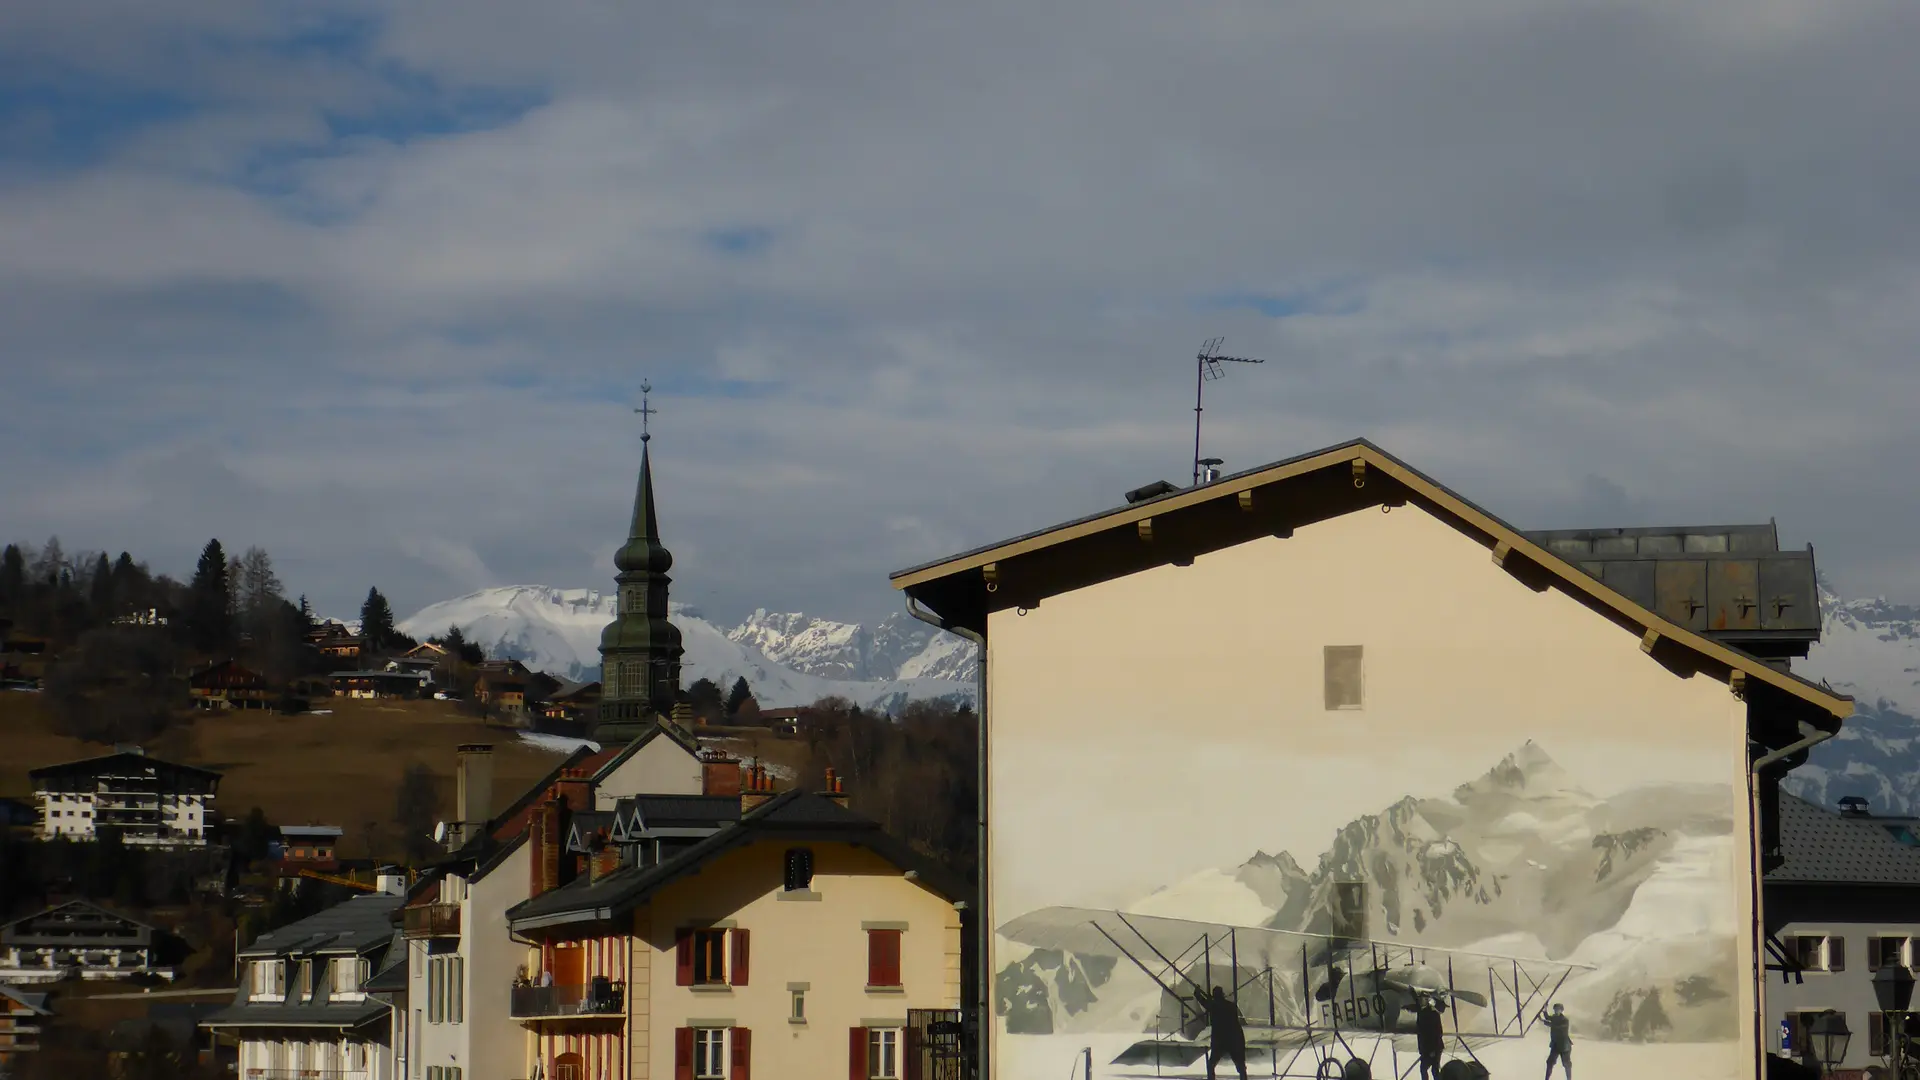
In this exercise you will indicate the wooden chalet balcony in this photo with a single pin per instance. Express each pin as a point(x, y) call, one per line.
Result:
point(600, 997)
point(431, 920)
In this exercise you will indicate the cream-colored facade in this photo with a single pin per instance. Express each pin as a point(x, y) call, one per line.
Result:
point(660, 766)
point(1328, 735)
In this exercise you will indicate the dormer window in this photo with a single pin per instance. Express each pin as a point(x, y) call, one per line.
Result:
point(799, 870)
point(269, 978)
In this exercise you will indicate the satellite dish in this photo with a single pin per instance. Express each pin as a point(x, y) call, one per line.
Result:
point(440, 832)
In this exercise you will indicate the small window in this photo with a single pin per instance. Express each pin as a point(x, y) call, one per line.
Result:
point(709, 957)
point(1818, 952)
point(883, 958)
point(883, 1053)
point(799, 876)
point(799, 1014)
point(1345, 681)
point(710, 1053)
point(1889, 952)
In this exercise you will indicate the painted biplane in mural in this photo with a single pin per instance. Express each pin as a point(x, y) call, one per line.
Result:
point(1310, 1004)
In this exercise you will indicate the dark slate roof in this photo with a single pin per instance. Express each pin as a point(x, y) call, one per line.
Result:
point(100, 916)
point(341, 1014)
point(792, 816)
point(353, 926)
point(390, 979)
point(679, 811)
point(1827, 848)
point(585, 823)
point(34, 1000)
point(96, 764)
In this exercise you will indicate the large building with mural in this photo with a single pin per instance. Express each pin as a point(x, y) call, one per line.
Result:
point(1322, 763)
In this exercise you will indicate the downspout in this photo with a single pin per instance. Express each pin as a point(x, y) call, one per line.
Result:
point(983, 981)
point(1810, 737)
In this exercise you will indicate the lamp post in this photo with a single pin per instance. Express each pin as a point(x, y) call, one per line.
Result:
point(1893, 990)
point(1829, 1036)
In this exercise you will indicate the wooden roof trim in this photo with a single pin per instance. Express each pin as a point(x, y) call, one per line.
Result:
point(1500, 535)
point(1127, 515)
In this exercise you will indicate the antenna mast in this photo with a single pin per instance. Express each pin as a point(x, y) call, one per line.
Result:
point(1207, 369)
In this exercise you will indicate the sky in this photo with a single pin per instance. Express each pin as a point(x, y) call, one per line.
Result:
point(375, 289)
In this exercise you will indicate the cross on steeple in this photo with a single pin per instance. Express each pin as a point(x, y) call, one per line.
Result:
point(645, 410)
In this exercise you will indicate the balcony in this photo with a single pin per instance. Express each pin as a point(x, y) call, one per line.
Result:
point(306, 1074)
point(601, 997)
point(431, 920)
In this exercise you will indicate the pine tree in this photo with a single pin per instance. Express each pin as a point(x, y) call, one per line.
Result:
point(257, 591)
point(376, 621)
point(129, 583)
point(100, 589)
point(306, 611)
point(13, 577)
point(738, 695)
point(209, 601)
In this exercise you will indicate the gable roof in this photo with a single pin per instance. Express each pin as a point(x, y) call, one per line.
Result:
point(33, 1001)
point(1828, 848)
point(655, 728)
point(639, 814)
point(1248, 504)
point(792, 816)
point(357, 925)
point(91, 765)
point(76, 907)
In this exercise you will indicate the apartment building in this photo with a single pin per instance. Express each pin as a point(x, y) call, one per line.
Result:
point(153, 803)
point(78, 939)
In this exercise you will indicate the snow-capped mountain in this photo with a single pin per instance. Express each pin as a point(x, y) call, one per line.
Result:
point(558, 630)
point(1870, 649)
point(1519, 862)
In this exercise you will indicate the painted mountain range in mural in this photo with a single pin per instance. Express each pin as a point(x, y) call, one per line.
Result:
point(1521, 861)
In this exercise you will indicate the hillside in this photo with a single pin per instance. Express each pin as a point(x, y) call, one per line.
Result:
point(341, 767)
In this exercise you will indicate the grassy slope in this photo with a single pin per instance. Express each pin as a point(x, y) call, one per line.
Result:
point(340, 769)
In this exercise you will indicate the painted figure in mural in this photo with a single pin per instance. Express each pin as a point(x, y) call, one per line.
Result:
point(1559, 1040)
point(1431, 1036)
point(1228, 1038)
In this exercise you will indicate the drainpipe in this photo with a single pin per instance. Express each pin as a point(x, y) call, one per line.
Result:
point(983, 979)
point(1810, 736)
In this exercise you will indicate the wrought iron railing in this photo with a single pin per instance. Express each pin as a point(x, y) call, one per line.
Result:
point(601, 997)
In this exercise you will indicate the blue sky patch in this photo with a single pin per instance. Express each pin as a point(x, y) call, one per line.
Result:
point(739, 240)
point(70, 122)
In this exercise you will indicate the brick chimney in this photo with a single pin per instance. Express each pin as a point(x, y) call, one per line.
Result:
point(575, 788)
point(836, 788)
point(605, 858)
point(720, 775)
point(543, 833)
point(757, 788)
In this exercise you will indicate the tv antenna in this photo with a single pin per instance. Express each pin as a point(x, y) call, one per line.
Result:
point(1208, 368)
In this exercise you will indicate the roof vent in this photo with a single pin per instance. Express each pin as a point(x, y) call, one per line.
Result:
point(1853, 806)
point(1151, 491)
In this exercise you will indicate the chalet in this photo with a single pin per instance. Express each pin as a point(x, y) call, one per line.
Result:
point(78, 939)
point(23, 660)
point(414, 665)
point(427, 650)
point(227, 685)
point(784, 721)
point(335, 642)
point(23, 1013)
point(503, 691)
point(379, 684)
point(572, 701)
point(1569, 744)
point(152, 803)
point(310, 1001)
point(315, 846)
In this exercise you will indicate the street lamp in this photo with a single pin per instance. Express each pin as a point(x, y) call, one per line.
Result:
point(1829, 1036)
point(1893, 989)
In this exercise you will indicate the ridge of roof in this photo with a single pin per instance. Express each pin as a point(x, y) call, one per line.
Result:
point(63, 766)
point(1465, 516)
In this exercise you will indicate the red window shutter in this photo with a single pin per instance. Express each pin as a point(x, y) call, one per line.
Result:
point(683, 1053)
point(883, 958)
point(857, 1054)
point(742, 1053)
point(683, 962)
point(739, 957)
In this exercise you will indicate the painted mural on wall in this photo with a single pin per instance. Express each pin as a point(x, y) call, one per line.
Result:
point(1513, 923)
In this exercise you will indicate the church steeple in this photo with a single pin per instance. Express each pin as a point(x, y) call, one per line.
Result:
point(639, 650)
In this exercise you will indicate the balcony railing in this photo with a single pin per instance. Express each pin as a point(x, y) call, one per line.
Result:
point(598, 998)
point(306, 1074)
point(431, 920)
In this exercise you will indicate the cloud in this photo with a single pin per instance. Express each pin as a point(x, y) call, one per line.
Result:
point(377, 291)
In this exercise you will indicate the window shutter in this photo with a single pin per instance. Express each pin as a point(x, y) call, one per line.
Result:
point(1836, 953)
point(683, 1053)
point(742, 1053)
point(857, 1054)
point(739, 957)
point(883, 958)
point(683, 961)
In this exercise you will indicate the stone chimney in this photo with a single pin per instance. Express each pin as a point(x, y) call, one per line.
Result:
point(473, 788)
point(720, 775)
point(757, 788)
